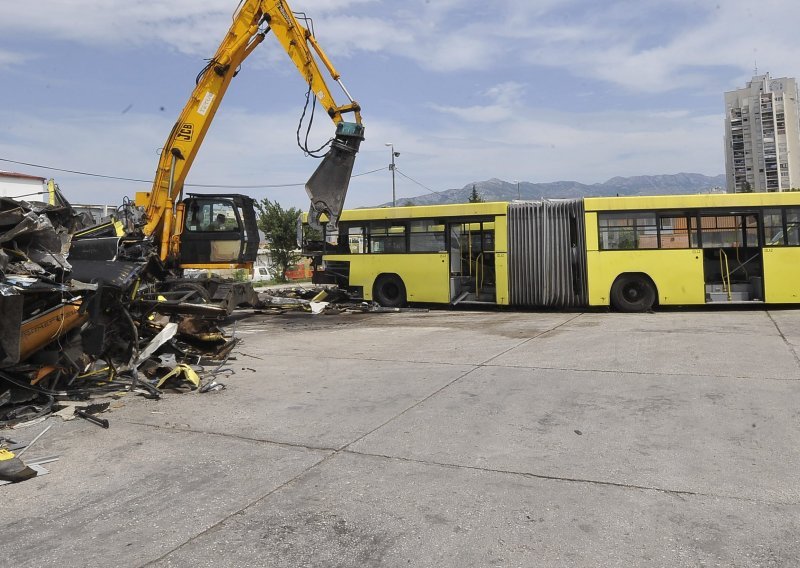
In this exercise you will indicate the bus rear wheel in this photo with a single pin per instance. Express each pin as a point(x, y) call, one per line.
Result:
point(633, 293)
point(198, 295)
point(389, 291)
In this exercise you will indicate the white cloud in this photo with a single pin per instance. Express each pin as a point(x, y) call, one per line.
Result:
point(530, 144)
point(186, 25)
point(633, 50)
point(646, 47)
point(128, 145)
point(10, 58)
point(539, 144)
point(505, 98)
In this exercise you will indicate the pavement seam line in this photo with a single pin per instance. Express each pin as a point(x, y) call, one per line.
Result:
point(675, 492)
point(320, 462)
point(449, 384)
point(239, 512)
point(232, 436)
point(785, 340)
point(538, 335)
point(645, 373)
point(287, 483)
point(396, 416)
point(508, 366)
point(344, 449)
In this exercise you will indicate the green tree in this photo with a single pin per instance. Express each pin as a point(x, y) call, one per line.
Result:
point(280, 227)
point(474, 196)
point(746, 187)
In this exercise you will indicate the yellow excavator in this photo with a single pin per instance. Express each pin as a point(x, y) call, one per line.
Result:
point(213, 231)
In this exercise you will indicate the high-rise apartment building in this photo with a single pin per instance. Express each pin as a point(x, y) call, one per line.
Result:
point(762, 135)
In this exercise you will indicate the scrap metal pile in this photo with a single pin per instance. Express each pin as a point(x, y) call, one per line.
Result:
point(68, 333)
point(328, 300)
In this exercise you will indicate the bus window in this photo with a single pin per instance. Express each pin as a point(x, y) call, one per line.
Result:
point(488, 239)
point(426, 236)
point(627, 231)
point(773, 227)
point(726, 231)
point(793, 226)
point(356, 240)
point(674, 232)
point(751, 231)
point(387, 238)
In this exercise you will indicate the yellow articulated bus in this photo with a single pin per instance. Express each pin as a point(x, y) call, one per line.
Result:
point(627, 252)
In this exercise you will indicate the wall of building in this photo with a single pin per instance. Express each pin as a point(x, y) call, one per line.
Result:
point(21, 186)
point(762, 135)
point(97, 212)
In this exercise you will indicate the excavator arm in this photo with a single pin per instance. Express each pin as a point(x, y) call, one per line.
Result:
point(251, 22)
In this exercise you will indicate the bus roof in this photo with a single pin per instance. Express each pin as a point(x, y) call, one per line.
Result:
point(636, 203)
point(425, 211)
point(703, 200)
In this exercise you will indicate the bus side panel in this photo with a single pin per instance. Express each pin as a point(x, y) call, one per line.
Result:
point(782, 275)
point(501, 276)
point(591, 231)
point(426, 276)
point(501, 260)
point(677, 274)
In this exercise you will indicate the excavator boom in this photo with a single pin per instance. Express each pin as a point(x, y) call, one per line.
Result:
point(253, 19)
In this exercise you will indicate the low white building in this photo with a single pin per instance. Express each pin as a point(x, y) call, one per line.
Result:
point(23, 186)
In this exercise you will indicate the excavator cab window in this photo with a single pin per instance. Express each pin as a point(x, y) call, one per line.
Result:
point(217, 230)
point(212, 216)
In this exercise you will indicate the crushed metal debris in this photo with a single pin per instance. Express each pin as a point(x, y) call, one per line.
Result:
point(320, 300)
point(67, 336)
point(75, 329)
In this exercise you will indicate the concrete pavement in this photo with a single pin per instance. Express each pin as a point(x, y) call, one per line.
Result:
point(443, 439)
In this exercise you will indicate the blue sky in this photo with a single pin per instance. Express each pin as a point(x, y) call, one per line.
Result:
point(466, 90)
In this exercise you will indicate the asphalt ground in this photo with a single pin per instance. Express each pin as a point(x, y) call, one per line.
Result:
point(452, 439)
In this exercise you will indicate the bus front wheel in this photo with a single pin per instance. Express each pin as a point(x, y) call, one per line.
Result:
point(389, 291)
point(633, 293)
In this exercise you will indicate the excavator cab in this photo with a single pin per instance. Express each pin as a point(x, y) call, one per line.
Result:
point(219, 231)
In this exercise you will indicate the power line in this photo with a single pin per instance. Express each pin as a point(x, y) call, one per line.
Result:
point(72, 171)
point(203, 185)
point(418, 183)
point(369, 172)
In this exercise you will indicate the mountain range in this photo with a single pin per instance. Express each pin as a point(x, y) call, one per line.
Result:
point(499, 190)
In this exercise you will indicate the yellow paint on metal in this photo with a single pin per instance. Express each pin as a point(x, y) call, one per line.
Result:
point(219, 266)
point(425, 211)
point(705, 201)
point(782, 274)
point(426, 276)
point(677, 273)
point(38, 331)
point(142, 198)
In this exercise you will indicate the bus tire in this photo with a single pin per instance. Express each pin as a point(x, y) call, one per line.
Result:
point(633, 293)
point(199, 293)
point(389, 291)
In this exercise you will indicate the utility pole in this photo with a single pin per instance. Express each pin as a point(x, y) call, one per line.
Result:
point(391, 167)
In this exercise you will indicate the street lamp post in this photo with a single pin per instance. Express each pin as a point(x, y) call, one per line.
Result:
point(519, 196)
point(391, 167)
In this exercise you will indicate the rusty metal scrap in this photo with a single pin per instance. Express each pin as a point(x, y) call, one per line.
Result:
point(74, 330)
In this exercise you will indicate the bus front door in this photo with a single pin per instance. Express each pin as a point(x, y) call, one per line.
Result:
point(472, 263)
